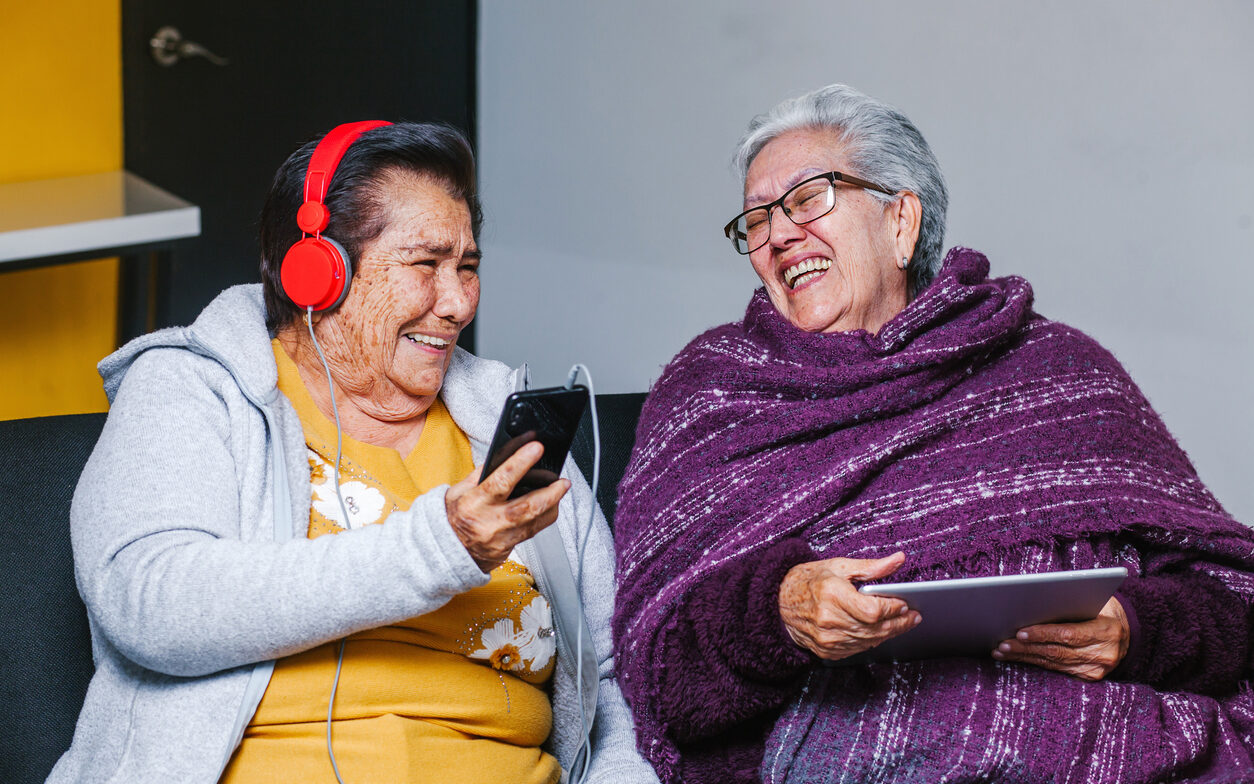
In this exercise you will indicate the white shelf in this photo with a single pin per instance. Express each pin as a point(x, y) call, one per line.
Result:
point(77, 215)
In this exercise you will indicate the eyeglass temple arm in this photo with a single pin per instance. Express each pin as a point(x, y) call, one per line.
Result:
point(861, 183)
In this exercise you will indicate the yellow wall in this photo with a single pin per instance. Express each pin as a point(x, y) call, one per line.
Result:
point(61, 82)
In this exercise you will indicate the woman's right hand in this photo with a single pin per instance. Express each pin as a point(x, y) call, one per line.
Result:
point(824, 613)
point(488, 522)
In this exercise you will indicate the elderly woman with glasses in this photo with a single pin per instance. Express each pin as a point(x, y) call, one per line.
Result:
point(883, 409)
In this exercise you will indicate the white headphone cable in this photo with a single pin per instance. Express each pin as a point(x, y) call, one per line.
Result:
point(339, 456)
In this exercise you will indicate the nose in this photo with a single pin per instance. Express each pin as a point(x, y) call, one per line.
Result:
point(456, 298)
point(783, 230)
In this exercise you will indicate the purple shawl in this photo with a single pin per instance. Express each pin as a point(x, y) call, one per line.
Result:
point(980, 439)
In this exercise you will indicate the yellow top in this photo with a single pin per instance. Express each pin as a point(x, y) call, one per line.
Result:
point(456, 695)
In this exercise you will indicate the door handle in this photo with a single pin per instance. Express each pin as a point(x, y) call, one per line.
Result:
point(168, 47)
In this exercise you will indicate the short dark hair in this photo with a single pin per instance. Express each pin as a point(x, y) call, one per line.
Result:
point(358, 216)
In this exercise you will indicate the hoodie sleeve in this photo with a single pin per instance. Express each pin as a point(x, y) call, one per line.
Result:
point(171, 525)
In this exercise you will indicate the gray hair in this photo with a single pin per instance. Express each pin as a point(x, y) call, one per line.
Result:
point(882, 146)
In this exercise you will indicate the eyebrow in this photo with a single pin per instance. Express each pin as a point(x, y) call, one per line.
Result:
point(439, 249)
point(805, 174)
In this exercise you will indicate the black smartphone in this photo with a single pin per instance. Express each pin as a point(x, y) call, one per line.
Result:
point(549, 416)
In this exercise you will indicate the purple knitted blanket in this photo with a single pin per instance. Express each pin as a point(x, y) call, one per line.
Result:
point(980, 439)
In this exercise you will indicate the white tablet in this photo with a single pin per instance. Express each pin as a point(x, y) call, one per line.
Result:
point(970, 616)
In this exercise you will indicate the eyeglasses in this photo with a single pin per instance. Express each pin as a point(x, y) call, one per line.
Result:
point(806, 201)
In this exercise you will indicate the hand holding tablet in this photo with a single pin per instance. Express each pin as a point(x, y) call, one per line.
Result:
point(824, 613)
point(1089, 650)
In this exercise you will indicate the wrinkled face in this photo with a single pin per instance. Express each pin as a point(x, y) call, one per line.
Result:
point(413, 290)
point(837, 273)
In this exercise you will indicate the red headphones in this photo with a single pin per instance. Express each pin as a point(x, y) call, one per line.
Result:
point(316, 271)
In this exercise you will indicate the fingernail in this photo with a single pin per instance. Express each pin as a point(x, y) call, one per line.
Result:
point(1022, 635)
point(1004, 647)
point(918, 619)
point(998, 655)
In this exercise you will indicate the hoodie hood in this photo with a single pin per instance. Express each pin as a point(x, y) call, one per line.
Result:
point(231, 330)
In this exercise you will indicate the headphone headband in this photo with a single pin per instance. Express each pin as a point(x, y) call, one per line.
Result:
point(313, 216)
point(316, 271)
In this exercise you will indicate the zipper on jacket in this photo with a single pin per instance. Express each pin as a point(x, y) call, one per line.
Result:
point(259, 678)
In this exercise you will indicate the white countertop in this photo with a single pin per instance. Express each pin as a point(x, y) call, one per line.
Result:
point(74, 215)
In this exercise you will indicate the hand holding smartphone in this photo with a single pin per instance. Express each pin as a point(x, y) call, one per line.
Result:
point(550, 416)
point(487, 520)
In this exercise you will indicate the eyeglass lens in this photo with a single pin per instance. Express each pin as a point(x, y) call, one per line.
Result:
point(806, 202)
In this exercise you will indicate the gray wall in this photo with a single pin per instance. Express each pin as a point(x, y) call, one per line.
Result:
point(1101, 149)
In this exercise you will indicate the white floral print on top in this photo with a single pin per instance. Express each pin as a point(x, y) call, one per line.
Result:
point(539, 639)
point(364, 503)
point(501, 646)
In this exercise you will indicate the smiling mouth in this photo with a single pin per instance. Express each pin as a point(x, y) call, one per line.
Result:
point(806, 271)
point(428, 340)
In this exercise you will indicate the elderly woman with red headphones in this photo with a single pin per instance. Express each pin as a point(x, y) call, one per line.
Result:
point(291, 569)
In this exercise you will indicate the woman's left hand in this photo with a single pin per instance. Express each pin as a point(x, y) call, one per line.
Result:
point(1088, 650)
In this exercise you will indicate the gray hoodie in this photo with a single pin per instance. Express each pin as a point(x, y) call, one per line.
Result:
point(190, 552)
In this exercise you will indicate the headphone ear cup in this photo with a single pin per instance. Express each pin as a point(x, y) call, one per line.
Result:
point(316, 273)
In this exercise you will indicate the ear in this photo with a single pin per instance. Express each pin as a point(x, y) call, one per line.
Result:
point(907, 214)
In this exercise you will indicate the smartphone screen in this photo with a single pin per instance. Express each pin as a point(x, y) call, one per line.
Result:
point(549, 416)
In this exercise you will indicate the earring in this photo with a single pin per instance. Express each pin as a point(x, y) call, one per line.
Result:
point(905, 262)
